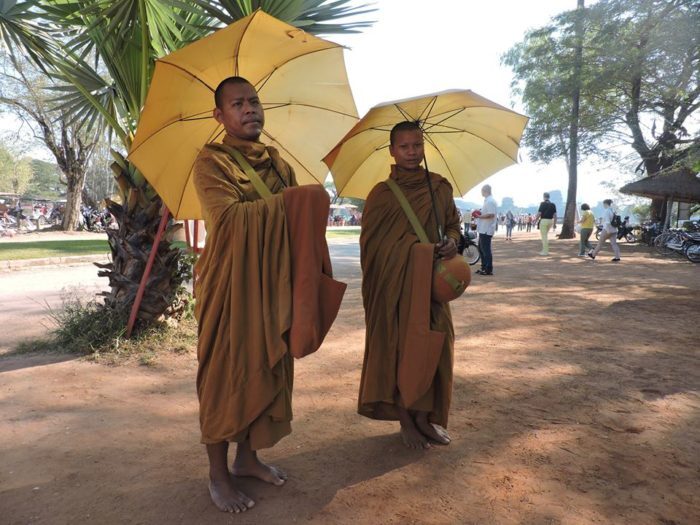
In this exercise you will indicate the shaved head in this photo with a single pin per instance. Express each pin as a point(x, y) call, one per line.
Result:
point(218, 94)
point(407, 125)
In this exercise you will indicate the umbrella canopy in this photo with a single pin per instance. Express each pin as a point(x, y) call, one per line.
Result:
point(302, 84)
point(678, 185)
point(467, 139)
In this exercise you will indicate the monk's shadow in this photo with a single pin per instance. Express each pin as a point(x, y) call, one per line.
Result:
point(316, 475)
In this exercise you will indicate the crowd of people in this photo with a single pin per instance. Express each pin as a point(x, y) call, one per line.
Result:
point(487, 220)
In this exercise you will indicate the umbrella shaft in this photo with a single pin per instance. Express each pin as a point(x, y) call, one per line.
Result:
point(433, 201)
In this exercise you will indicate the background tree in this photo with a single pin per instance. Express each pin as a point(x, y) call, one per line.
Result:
point(104, 52)
point(23, 91)
point(46, 180)
point(15, 173)
point(638, 84)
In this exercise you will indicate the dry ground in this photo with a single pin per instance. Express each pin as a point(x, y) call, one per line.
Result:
point(576, 400)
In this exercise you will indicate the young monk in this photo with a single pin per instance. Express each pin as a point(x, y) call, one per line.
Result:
point(395, 385)
point(244, 381)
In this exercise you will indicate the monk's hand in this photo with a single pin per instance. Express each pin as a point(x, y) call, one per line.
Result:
point(447, 248)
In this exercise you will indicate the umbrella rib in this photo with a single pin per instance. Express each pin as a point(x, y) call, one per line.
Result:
point(404, 114)
point(285, 104)
point(240, 42)
point(162, 61)
point(446, 164)
point(291, 155)
point(448, 117)
point(428, 108)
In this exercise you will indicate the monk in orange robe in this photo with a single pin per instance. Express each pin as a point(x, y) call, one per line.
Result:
point(244, 300)
point(394, 385)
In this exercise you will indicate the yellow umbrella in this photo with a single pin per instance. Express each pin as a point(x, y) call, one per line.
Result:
point(467, 139)
point(302, 83)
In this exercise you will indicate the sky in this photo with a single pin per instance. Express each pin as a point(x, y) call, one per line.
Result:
point(419, 47)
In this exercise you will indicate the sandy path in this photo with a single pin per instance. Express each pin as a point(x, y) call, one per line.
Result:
point(576, 400)
point(31, 294)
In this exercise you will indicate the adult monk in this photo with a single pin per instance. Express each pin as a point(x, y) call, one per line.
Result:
point(387, 246)
point(243, 308)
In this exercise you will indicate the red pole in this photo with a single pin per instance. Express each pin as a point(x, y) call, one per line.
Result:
point(187, 233)
point(147, 272)
point(195, 248)
point(195, 244)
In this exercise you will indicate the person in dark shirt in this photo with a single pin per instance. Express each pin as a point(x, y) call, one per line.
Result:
point(547, 215)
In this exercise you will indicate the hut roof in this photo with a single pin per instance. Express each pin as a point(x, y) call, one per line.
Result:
point(678, 185)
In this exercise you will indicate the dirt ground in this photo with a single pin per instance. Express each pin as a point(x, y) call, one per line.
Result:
point(576, 401)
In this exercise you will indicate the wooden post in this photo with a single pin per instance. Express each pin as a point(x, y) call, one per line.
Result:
point(147, 272)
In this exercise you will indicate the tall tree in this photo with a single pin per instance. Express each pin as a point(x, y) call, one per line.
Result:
point(104, 51)
point(567, 229)
point(638, 86)
point(23, 90)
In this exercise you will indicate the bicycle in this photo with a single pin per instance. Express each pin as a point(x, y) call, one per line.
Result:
point(469, 249)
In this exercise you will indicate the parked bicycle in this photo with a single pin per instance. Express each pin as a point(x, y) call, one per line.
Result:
point(468, 247)
point(680, 242)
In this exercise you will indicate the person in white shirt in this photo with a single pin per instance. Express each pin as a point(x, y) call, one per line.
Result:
point(486, 227)
point(609, 232)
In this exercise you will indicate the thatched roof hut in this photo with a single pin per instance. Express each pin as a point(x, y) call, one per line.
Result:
point(681, 185)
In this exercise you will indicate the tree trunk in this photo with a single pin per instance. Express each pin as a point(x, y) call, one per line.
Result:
point(74, 193)
point(138, 218)
point(567, 229)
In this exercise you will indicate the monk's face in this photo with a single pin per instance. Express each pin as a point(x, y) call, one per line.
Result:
point(407, 149)
point(241, 113)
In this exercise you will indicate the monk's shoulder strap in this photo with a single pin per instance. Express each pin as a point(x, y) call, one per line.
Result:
point(410, 214)
point(255, 179)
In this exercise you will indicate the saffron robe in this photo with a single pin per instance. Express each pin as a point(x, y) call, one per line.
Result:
point(389, 257)
point(244, 298)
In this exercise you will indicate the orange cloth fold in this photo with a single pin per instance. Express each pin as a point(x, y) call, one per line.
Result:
point(316, 296)
point(419, 346)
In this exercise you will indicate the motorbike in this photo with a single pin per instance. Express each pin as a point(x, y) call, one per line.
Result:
point(624, 231)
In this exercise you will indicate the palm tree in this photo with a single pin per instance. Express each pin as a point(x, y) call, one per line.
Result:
point(102, 53)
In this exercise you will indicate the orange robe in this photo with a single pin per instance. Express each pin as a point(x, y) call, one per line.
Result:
point(244, 299)
point(389, 259)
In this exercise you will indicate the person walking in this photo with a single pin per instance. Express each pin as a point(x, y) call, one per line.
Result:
point(587, 223)
point(486, 227)
point(609, 231)
point(510, 222)
point(547, 217)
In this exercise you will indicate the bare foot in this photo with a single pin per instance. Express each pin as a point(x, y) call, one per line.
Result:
point(412, 438)
point(257, 469)
point(227, 498)
point(435, 433)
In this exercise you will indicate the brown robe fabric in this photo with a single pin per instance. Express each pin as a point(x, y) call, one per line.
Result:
point(316, 295)
point(244, 299)
point(388, 267)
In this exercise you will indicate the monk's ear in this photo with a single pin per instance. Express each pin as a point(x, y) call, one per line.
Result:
point(391, 150)
point(217, 114)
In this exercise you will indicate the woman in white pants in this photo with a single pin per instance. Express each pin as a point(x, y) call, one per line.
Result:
point(609, 232)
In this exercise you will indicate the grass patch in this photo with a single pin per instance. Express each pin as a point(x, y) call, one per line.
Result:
point(11, 251)
point(333, 234)
point(92, 330)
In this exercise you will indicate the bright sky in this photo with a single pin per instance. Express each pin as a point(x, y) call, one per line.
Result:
point(418, 47)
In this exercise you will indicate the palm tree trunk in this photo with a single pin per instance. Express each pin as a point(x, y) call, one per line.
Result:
point(130, 244)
